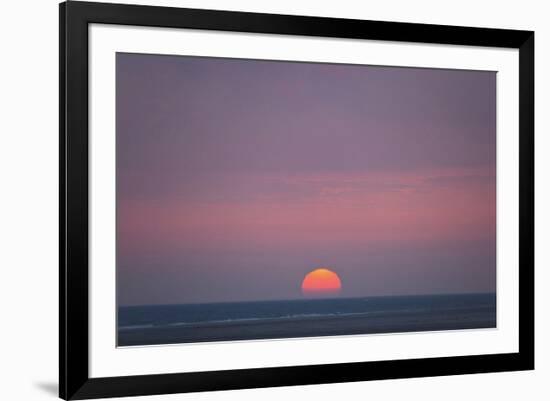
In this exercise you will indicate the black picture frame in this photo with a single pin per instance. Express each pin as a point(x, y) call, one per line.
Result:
point(74, 18)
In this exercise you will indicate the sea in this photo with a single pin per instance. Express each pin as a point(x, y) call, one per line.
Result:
point(233, 321)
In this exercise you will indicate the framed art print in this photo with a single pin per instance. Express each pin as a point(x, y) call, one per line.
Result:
point(254, 200)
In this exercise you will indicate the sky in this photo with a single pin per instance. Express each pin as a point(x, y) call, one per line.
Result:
point(235, 178)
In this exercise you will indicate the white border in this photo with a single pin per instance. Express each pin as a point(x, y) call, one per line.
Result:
point(107, 360)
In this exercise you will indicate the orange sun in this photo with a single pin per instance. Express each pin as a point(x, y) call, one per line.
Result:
point(321, 282)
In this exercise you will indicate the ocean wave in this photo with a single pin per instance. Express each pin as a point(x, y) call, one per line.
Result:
point(248, 319)
point(136, 326)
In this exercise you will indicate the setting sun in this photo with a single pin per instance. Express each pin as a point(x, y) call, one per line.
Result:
point(321, 282)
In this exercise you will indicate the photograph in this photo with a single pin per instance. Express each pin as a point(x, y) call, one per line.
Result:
point(253, 199)
point(271, 199)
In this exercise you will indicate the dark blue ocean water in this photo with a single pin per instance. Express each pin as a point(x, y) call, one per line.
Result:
point(154, 324)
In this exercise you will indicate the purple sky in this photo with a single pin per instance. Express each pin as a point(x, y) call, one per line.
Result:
point(237, 177)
